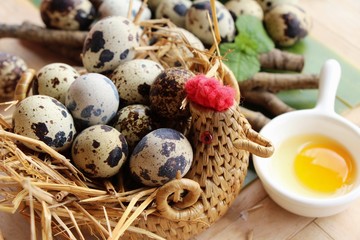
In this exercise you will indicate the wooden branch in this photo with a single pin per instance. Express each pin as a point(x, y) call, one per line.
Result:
point(256, 119)
point(275, 82)
point(282, 60)
point(267, 100)
point(31, 32)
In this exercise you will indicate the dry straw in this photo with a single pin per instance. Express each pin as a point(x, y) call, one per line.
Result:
point(63, 203)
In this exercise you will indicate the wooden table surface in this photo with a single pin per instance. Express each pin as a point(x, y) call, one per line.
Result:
point(253, 215)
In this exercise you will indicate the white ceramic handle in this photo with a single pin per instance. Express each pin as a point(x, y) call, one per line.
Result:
point(328, 83)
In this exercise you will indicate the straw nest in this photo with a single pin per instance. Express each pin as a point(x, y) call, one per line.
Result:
point(57, 197)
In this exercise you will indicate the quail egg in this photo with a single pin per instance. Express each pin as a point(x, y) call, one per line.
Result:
point(266, 5)
point(99, 151)
point(110, 42)
point(287, 24)
point(54, 80)
point(158, 157)
point(92, 99)
point(46, 119)
point(197, 22)
point(134, 122)
point(11, 69)
point(167, 93)
point(175, 10)
point(245, 7)
point(121, 8)
point(67, 14)
point(134, 78)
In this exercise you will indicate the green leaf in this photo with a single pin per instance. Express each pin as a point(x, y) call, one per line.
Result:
point(250, 27)
point(243, 65)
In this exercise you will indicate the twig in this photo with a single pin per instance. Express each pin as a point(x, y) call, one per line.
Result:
point(275, 82)
point(267, 100)
point(282, 60)
point(31, 32)
point(256, 119)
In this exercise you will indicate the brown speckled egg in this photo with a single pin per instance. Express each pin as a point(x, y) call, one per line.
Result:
point(158, 157)
point(99, 151)
point(167, 93)
point(54, 80)
point(46, 119)
point(134, 78)
point(134, 122)
point(67, 14)
point(11, 68)
point(110, 42)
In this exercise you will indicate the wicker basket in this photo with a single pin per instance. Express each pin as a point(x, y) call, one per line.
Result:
point(48, 189)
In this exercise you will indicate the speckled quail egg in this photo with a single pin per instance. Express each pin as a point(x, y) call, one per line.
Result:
point(175, 10)
point(54, 80)
point(287, 24)
point(167, 93)
point(121, 8)
point(44, 118)
point(92, 99)
point(159, 156)
point(245, 7)
point(99, 151)
point(11, 69)
point(197, 21)
point(266, 5)
point(110, 42)
point(134, 122)
point(134, 78)
point(67, 14)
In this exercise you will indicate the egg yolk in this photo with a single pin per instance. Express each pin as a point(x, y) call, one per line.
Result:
point(324, 166)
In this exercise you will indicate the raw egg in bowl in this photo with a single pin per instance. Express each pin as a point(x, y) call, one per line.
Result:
point(315, 169)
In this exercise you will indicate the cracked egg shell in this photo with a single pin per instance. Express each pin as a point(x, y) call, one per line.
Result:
point(134, 122)
point(67, 14)
point(110, 42)
point(134, 78)
point(158, 157)
point(11, 69)
point(92, 99)
point(196, 21)
point(99, 151)
point(46, 119)
point(287, 24)
point(54, 80)
point(167, 93)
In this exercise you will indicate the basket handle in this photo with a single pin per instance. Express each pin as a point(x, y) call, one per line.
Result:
point(187, 209)
point(24, 84)
point(255, 143)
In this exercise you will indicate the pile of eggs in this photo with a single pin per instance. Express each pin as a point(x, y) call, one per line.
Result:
point(105, 121)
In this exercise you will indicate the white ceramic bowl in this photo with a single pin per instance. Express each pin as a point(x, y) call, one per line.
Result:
point(320, 120)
